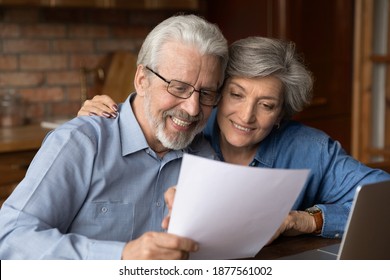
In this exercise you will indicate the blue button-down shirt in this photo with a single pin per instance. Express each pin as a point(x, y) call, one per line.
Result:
point(334, 175)
point(94, 185)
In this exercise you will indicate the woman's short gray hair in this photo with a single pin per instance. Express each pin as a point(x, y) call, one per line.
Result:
point(191, 30)
point(261, 57)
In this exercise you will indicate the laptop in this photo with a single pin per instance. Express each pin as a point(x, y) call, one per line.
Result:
point(367, 232)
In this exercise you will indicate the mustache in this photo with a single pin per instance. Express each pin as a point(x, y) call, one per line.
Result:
point(183, 115)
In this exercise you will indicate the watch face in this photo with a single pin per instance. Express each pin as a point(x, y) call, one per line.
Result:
point(313, 210)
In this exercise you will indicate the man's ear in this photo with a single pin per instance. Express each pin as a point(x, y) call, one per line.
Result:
point(141, 81)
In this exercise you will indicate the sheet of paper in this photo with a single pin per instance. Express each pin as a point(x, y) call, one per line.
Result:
point(231, 210)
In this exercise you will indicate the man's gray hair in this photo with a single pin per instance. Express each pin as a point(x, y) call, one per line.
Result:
point(190, 30)
point(261, 57)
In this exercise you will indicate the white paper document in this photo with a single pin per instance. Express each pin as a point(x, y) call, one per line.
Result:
point(231, 210)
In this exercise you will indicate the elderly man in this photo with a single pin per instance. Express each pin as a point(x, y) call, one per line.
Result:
point(95, 189)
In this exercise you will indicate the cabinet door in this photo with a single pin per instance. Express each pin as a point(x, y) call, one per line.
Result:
point(323, 33)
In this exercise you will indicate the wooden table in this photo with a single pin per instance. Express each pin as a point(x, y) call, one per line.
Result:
point(21, 138)
point(286, 246)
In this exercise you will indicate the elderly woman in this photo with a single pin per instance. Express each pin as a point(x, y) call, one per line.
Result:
point(265, 85)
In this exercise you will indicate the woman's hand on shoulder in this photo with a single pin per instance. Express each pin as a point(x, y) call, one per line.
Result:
point(99, 105)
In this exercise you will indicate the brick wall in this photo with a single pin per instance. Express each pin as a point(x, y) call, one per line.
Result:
point(42, 51)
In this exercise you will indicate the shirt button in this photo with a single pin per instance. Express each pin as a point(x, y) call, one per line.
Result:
point(104, 209)
point(158, 203)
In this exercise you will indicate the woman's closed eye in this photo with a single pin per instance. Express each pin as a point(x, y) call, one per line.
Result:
point(267, 106)
point(236, 95)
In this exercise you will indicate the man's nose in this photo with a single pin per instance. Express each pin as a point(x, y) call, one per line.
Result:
point(192, 105)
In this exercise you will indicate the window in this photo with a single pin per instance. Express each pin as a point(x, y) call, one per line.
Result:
point(371, 86)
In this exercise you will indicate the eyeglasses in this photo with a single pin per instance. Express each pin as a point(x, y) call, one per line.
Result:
point(183, 90)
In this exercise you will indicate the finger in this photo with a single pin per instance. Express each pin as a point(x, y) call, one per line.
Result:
point(171, 241)
point(165, 221)
point(99, 106)
point(144, 248)
point(169, 196)
point(82, 112)
point(96, 107)
point(185, 256)
point(300, 222)
point(156, 245)
point(107, 101)
point(94, 111)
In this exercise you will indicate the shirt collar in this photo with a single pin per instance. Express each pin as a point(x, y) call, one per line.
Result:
point(266, 151)
point(132, 137)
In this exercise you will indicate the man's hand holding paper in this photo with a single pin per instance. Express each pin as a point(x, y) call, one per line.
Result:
point(230, 210)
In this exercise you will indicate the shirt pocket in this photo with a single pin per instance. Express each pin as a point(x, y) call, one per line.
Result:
point(113, 221)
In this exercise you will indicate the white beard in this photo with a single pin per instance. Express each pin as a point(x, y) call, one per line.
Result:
point(172, 141)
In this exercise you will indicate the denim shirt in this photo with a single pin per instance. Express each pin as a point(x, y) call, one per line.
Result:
point(94, 185)
point(334, 175)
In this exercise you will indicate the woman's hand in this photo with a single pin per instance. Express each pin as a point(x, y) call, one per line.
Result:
point(296, 223)
point(99, 105)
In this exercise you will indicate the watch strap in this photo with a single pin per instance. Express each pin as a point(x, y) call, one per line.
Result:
point(317, 214)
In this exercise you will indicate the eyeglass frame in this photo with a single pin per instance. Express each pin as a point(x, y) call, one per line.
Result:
point(200, 91)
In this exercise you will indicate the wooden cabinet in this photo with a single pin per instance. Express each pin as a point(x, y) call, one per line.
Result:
point(323, 33)
point(18, 146)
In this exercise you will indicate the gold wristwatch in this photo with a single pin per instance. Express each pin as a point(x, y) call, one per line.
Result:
point(317, 214)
